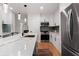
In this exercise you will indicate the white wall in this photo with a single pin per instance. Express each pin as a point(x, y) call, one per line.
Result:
point(56, 17)
point(17, 24)
point(13, 22)
point(34, 23)
point(25, 24)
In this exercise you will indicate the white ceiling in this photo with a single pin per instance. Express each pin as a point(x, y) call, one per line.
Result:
point(34, 7)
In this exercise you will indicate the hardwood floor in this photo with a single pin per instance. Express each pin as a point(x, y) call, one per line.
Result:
point(46, 49)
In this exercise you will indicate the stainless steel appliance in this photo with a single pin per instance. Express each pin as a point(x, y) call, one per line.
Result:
point(70, 30)
point(44, 29)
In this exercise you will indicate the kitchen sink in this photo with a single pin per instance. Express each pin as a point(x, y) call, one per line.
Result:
point(29, 36)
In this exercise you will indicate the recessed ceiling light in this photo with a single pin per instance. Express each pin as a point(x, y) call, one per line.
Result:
point(25, 5)
point(41, 7)
point(11, 8)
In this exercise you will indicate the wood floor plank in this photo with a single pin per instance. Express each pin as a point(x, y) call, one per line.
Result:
point(51, 49)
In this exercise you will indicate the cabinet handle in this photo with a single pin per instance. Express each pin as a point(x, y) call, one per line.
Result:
point(55, 38)
point(51, 36)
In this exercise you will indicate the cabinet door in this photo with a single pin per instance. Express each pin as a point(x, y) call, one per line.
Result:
point(51, 38)
point(7, 18)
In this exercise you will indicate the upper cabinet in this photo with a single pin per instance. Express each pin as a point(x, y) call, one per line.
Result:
point(44, 18)
point(55, 19)
point(7, 18)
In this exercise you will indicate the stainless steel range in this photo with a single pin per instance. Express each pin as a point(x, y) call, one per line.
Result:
point(44, 29)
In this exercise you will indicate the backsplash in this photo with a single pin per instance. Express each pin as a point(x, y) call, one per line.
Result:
point(6, 28)
point(54, 28)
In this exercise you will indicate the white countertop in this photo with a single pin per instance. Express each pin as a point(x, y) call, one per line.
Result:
point(17, 46)
point(5, 33)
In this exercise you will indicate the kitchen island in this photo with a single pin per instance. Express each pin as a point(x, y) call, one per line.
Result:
point(17, 45)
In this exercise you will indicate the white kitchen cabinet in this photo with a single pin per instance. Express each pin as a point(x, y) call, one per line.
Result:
point(51, 21)
point(0, 19)
point(0, 26)
point(57, 18)
point(55, 40)
point(54, 19)
point(53, 37)
point(7, 18)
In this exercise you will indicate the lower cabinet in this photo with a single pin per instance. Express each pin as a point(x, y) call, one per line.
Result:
point(55, 40)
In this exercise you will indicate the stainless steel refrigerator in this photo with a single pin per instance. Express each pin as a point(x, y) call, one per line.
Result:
point(70, 30)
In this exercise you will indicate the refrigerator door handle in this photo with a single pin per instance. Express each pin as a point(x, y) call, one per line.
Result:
point(69, 18)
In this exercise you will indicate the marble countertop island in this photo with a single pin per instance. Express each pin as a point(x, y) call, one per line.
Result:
point(17, 45)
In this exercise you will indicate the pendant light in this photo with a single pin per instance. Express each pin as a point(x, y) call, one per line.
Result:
point(25, 19)
point(19, 16)
point(5, 6)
